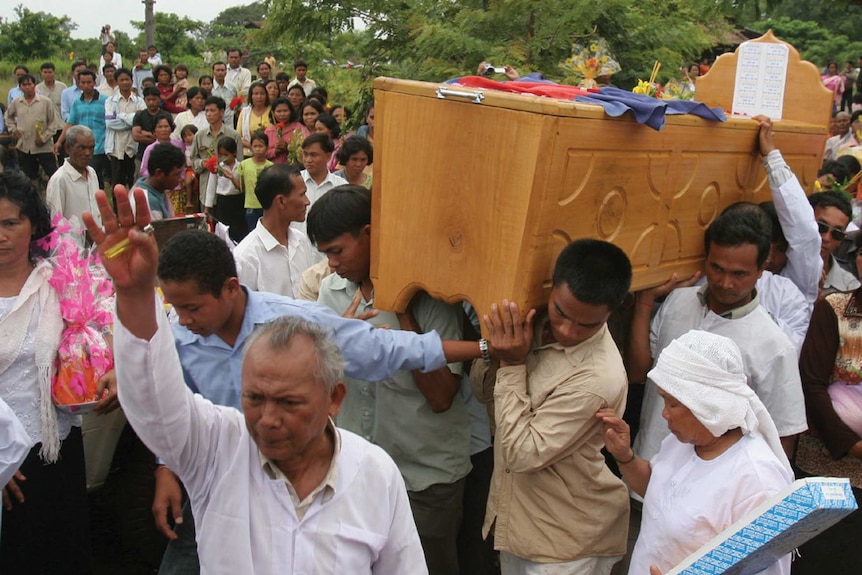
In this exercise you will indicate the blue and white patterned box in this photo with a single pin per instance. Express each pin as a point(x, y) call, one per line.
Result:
point(774, 529)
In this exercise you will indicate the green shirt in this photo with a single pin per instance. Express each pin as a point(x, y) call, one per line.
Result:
point(248, 170)
point(429, 448)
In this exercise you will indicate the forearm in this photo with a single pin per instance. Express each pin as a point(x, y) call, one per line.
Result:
point(636, 472)
point(638, 356)
point(456, 351)
point(439, 387)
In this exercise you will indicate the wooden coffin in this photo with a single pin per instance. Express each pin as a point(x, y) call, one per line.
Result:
point(474, 201)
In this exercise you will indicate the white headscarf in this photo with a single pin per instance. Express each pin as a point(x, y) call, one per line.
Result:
point(705, 373)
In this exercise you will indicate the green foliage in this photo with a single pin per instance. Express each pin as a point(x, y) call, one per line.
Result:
point(176, 36)
point(814, 42)
point(34, 35)
point(430, 40)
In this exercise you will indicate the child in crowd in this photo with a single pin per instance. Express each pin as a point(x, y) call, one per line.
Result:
point(248, 171)
point(181, 85)
point(223, 196)
point(190, 180)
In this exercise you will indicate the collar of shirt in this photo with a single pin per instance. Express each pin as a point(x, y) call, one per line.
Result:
point(270, 242)
point(73, 172)
point(339, 283)
point(574, 353)
point(96, 97)
point(837, 278)
point(309, 180)
point(735, 313)
point(327, 486)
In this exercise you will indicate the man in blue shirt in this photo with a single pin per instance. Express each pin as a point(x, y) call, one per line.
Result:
point(89, 110)
point(73, 92)
point(215, 315)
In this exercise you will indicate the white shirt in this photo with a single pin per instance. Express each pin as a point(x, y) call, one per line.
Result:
point(781, 297)
point(14, 443)
point(315, 190)
point(799, 226)
point(245, 520)
point(71, 194)
point(769, 358)
point(835, 143)
point(220, 186)
point(689, 500)
point(264, 264)
point(839, 279)
point(239, 77)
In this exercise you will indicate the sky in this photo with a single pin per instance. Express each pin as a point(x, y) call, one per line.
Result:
point(91, 15)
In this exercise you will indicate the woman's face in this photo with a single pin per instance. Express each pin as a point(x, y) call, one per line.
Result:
point(281, 113)
point(356, 163)
point(258, 96)
point(296, 97)
point(162, 130)
point(272, 91)
point(180, 73)
point(196, 104)
point(207, 84)
point(309, 117)
point(832, 69)
point(320, 128)
point(338, 114)
point(164, 77)
point(16, 232)
point(682, 422)
point(369, 118)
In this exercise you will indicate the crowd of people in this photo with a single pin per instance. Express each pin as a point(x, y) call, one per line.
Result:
point(129, 110)
point(291, 432)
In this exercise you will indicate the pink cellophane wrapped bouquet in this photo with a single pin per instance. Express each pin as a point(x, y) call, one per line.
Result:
point(86, 304)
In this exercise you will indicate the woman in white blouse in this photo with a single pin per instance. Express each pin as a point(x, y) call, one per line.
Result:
point(45, 527)
point(722, 459)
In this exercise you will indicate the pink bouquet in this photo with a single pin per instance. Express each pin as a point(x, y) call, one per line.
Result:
point(85, 293)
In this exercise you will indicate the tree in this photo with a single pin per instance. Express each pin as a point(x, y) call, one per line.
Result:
point(432, 40)
point(175, 35)
point(34, 35)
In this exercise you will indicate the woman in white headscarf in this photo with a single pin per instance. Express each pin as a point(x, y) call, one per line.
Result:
point(722, 459)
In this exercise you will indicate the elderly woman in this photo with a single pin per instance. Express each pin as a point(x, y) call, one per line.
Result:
point(45, 528)
point(722, 459)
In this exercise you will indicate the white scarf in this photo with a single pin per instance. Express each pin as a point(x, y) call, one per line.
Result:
point(13, 332)
point(705, 372)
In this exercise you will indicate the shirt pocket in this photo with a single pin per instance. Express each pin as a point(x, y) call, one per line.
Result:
point(357, 549)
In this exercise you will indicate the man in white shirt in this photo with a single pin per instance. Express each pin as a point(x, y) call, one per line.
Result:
point(737, 246)
point(50, 87)
point(236, 74)
point(279, 471)
point(273, 255)
point(300, 69)
point(316, 152)
point(72, 188)
point(224, 90)
point(120, 146)
point(108, 86)
point(832, 211)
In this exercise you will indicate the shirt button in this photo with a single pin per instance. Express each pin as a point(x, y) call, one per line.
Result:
point(368, 437)
point(507, 470)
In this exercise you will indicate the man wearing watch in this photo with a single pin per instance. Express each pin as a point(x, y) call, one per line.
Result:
point(554, 506)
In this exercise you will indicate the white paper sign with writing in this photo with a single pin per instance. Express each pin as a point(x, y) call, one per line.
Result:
point(761, 74)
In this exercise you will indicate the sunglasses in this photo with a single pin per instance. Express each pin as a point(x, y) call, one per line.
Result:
point(837, 235)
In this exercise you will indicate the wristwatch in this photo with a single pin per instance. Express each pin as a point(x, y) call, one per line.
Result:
point(486, 354)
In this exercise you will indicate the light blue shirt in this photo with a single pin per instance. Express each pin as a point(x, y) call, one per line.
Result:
point(67, 98)
point(14, 92)
point(213, 368)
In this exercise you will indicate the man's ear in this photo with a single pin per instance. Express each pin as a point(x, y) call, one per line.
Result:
point(336, 397)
